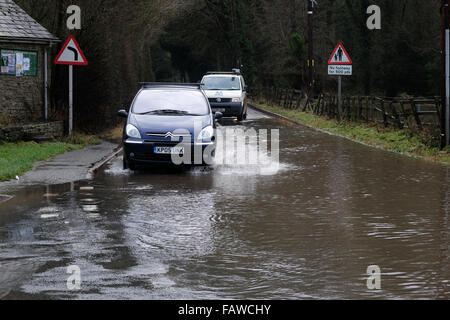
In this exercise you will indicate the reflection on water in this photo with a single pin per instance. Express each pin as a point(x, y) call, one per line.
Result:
point(309, 231)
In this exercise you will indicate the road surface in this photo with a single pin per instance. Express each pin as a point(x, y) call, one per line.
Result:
point(307, 230)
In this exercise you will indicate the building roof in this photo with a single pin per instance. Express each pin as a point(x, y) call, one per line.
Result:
point(17, 25)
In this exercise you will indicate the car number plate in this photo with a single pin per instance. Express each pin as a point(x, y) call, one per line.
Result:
point(218, 110)
point(169, 150)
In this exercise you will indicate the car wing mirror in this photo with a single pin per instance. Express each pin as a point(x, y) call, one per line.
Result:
point(122, 114)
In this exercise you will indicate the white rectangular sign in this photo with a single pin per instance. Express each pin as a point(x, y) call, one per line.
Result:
point(19, 64)
point(340, 70)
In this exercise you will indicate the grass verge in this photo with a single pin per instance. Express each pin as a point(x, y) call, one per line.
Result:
point(400, 141)
point(115, 133)
point(18, 158)
point(81, 139)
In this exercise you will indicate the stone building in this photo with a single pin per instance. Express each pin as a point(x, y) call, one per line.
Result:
point(25, 67)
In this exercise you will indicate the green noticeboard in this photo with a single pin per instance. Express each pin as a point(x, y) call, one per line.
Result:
point(18, 62)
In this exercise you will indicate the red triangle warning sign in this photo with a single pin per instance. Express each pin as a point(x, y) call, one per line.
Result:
point(71, 54)
point(340, 56)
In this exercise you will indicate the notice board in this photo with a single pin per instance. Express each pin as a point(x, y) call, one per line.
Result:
point(28, 60)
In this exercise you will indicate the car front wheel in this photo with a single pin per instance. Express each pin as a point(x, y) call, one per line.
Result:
point(241, 116)
point(128, 164)
point(125, 163)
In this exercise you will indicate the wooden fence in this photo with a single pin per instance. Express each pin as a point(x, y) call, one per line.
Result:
point(400, 112)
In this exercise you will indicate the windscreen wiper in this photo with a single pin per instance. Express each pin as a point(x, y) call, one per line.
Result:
point(169, 111)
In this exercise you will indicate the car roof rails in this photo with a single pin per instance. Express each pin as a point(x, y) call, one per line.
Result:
point(170, 84)
point(235, 72)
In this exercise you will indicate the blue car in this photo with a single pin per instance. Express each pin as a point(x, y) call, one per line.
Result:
point(169, 124)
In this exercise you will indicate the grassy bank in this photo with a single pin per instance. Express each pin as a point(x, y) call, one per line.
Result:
point(389, 139)
point(18, 158)
point(114, 134)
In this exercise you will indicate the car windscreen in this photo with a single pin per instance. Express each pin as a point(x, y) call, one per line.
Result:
point(190, 102)
point(221, 83)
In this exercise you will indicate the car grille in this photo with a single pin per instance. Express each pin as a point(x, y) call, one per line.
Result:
point(168, 135)
point(222, 100)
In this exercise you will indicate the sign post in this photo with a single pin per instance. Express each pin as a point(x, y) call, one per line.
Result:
point(340, 95)
point(71, 55)
point(70, 99)
point(445, 44)
point(340, 64)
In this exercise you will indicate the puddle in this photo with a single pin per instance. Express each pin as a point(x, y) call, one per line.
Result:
point(4, 198)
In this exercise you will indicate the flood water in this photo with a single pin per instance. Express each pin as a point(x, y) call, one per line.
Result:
point(307, 231)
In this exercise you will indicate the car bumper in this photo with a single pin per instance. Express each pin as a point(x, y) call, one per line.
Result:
point(230, 109)
point(140, 152)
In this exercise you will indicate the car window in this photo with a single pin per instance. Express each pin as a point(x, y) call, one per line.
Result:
point(189, 101)
point(221, 83)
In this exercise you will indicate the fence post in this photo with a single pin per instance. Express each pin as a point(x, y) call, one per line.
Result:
point(360, 105)
point(350, 108)
point(373, 108)
point(354, 109)
point(396, 115)
point(317, 106)
point(299, 100)
point(437, 103)
point(383, 109)
point(416, 114)
point(291, 104)
point(367, 108)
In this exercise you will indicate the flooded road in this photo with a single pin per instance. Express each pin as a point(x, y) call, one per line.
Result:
point(308, 231)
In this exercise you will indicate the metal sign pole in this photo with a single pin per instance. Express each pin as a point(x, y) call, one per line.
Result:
point(445, 121)
point(70, 99)
point(340, 96)
point(447, 83)
point(46, 84)
point(310, 48)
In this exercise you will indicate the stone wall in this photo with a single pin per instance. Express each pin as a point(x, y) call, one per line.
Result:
point(37, 131)
point(22, 98)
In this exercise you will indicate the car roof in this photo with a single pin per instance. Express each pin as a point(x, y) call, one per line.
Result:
point(170, 85)
point(215, 75)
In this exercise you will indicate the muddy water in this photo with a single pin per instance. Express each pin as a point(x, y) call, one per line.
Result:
point(309, 230)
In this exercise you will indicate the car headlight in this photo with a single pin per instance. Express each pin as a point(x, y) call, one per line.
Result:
point(206, 134)
point(236, 100)
point(133, 132)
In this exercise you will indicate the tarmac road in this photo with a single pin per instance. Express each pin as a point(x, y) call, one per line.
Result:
point(308, 229)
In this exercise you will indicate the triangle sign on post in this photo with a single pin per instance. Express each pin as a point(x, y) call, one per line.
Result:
point(340, 56)
point(71, 54)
